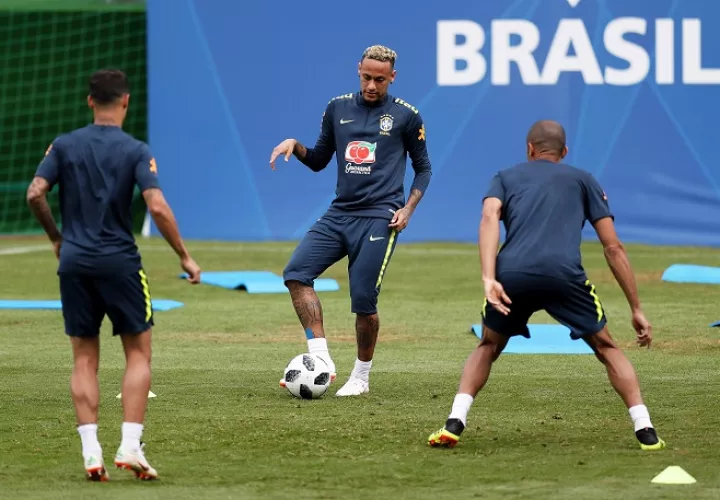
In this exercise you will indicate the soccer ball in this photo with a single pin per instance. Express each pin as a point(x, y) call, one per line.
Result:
point(307, 376)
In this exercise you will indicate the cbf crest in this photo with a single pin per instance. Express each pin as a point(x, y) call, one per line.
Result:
point(386, 124)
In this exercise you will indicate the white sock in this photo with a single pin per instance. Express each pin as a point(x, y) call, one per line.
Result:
point(131, 434)
point(461, 407)
point(89, 439)
point(640, 417)
point(362, 370)
point(317, 346)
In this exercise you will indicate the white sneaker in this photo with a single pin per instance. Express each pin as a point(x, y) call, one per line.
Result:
point(354, 387)
point(135, 461)
point(95, 468)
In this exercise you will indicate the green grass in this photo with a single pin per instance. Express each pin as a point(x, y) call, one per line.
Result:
point(544, 427)
point(76, 5)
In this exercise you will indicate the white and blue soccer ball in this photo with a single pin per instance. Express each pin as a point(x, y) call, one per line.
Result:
point(307, 376)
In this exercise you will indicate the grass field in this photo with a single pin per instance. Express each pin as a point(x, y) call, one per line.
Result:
point(221, 427)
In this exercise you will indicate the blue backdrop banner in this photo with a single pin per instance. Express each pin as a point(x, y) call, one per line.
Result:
point(635, 83)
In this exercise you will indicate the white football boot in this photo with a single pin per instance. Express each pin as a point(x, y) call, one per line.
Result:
point(134, 460)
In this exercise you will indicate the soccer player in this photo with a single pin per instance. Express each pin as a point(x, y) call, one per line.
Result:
point(97, 168)
point(544, 205)
point(371, 133)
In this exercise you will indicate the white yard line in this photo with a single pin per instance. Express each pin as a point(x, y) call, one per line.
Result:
point(26, 249)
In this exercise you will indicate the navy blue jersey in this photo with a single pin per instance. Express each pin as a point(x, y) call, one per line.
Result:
point(371, 142)
point(545, 206)
point(97, 168)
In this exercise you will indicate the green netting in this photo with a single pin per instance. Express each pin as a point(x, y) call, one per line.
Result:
point(46, 58)
point(55, 5)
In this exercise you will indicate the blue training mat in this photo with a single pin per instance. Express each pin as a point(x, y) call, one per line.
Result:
point(717, 323)
point(689, 273)
point(257, 281)
point(544, 339)
point(158, 304)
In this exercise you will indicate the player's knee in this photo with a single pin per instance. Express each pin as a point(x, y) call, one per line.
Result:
point(138, 347)
point(364, 302)
point(602, 344)
point(295, 276)
point(296, 283)
point(492, 342)
point(86, 366)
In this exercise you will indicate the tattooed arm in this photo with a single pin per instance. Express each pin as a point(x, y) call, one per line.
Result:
point(414, 140)
point(37, 200)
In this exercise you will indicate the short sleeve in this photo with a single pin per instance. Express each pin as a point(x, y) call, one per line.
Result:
point(496, 188)
point(146, 172)
point(49, 167)
point(596, 201)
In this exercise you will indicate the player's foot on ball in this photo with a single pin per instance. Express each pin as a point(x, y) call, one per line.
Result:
point(134, 460)
point(331, 366)
point(649, 440)
point(95, 468)
point(354, 387)
point(448, 436)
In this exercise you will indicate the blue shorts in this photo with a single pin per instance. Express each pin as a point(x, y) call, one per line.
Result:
point(368, 243)
point(574, 304)
point(86, 299)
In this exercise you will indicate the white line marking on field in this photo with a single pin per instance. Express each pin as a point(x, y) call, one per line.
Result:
point(22, 250)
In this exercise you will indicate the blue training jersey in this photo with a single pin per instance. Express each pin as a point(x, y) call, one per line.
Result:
point(544, 208)
point(97, 168)
point(371, 142)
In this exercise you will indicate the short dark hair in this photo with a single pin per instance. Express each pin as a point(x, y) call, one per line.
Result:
point(108, 85)
point(547, 136)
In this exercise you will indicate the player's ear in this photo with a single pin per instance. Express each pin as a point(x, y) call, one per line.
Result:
point(359, 66)
point(392, 76)
point(126, 101)
point(564, 152)
point(530, 150)
point(90, 102)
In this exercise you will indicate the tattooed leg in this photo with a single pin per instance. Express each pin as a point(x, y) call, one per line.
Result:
point(367, 327)
point(308, 308)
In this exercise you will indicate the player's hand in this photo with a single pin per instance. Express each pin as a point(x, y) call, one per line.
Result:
point(286, 148)
point(496, 296)
point(192, 269)
point(643, 329)
point(400, 219)
point(56, 247)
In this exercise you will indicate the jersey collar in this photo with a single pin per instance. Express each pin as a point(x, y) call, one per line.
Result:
point(361, 102)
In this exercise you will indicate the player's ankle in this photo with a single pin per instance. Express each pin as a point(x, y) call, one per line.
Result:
point(454, 426)
point(317, 345)
point(640, 417)
point(362, 370)
point(461, 407)
point(89, 439)
point(131, 435)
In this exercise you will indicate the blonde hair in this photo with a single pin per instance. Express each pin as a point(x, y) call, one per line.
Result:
point(380, 53)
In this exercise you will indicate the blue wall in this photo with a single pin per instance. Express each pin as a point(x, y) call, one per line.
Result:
point(230, 79)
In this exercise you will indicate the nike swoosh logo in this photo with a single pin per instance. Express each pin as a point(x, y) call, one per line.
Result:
point(372, 238)
point(343, 121)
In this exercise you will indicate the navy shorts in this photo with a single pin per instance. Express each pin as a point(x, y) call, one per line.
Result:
point(86, 299)
point(574, 304)
point(368, 243)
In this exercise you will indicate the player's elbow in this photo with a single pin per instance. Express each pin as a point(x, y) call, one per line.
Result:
point(158, 209)
point(317, 163)
point(156, 204)
point(614, 249)
point(34, 195)
point(490, 215)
